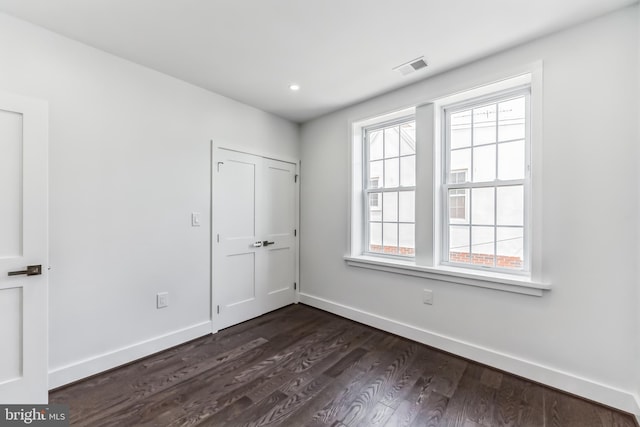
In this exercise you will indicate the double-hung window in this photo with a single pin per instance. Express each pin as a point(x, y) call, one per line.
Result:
point(389, 188)
point(449, 188)
point(486, 182)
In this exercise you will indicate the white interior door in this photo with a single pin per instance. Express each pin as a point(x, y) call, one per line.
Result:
point(279, 218)
point(23, 243)
point(254, 242)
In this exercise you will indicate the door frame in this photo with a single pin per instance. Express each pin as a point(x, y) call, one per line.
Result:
point(212, 238)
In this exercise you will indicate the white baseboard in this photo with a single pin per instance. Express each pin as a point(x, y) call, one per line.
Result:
point(102, 362)
point(565, 381)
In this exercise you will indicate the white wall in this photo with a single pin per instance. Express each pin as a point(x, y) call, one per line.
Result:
point(129, 162)
point(582, 335)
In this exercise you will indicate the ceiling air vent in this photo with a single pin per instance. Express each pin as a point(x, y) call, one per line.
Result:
point(411, 66)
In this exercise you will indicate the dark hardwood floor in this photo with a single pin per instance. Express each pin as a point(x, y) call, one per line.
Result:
point(299, 366)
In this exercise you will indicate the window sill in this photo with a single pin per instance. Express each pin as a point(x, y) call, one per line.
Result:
point(497, 281)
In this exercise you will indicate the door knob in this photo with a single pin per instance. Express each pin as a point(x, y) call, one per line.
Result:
point(32, 270)
point(267, 243)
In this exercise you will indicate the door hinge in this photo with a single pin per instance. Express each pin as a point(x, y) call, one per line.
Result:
point(295, 233)
point(295, 286)
point(218, 238)
point(220, 163)
point(218, 309)
point(295, 178)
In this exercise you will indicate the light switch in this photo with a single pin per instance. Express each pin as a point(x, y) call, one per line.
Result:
point(195, 219)
point(162, 300)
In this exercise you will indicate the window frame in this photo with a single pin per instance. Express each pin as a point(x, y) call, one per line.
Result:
point(367, 191)
point(446, 110)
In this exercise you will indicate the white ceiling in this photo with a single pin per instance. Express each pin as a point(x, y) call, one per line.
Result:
point(339, 51)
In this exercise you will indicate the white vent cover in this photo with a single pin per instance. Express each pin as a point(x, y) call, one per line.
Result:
point(411, 66)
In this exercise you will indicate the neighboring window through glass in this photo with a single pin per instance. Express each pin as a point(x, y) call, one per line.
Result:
point(390, 151)
point(485, 183)
point(458, 198)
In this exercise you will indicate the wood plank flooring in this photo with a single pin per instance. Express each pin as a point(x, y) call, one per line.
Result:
point(299, 366)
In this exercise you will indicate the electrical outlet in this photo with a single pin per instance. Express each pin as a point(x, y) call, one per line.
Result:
point(162, 299)
point(427, 296)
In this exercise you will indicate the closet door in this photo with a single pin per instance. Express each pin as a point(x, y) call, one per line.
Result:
point(254, 242)
point(279, 218)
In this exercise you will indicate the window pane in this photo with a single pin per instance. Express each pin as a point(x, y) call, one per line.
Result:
point(376, 174)
point(408, 171)
point(511, 119)
point(407, 211)
point(461, 129)
point(457, 176)
point(458, 206)
point(482, 206)
point(407, 240)
point(511, 160)
point(390, 238)
point(408, 138)
point(375, 145)
point(392, 175)
point(459, 243)
point(484, 163)
point(375, 207)
point(391, 142)
point(482, 246)
point(375, 237)
point(510, 247)
point(484, 125)
point(510, 205)
point(460, 164)
point(390, 207)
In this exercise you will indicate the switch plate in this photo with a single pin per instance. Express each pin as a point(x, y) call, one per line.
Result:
point(162, 299)
point(427, 296)
point(195, 219)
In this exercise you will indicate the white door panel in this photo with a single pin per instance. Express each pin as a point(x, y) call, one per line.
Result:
point(234, 285)
point(254, 247)
point(23, 242)
point(280, 220)
point(11, 332)
point(242, 282)
point(10, 175)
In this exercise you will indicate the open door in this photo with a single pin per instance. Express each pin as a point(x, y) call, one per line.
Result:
point(23, 250)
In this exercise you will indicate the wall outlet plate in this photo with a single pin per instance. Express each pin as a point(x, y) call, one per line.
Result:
point(427, 296)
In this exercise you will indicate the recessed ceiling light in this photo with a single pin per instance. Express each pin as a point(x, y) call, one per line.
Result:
point(294, 87)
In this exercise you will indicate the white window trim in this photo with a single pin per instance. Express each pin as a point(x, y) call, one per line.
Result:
point(429, 203)
point(461, 276)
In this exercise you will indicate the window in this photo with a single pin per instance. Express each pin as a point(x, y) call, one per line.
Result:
point(458, 198)
point(390, 151)
point(374, 198)
point(447, 190)
point(485, 183)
